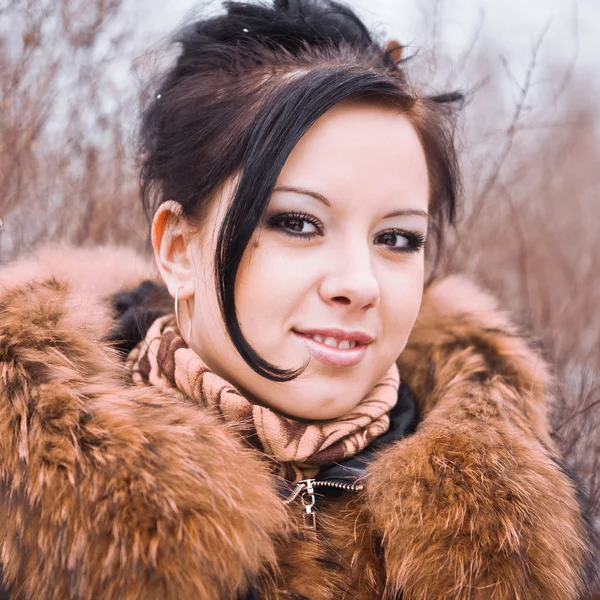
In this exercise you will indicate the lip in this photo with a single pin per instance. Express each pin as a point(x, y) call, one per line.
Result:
point(334, 356)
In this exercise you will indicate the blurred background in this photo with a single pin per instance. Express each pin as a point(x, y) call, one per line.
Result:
point(72, 74)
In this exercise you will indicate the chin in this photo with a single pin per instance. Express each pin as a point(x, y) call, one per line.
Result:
point(323, 411)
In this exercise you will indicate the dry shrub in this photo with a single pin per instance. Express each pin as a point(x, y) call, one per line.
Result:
point(528, 232)
point(529, 226)
point(530, 235)
point(64, 171)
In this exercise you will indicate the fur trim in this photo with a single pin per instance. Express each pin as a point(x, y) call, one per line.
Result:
point(108, 490)
point(119, 492)
point(478, 490)
point(93, 275)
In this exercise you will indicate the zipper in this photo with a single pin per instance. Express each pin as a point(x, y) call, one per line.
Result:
point(306, 490)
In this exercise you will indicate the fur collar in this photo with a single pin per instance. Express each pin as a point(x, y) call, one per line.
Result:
point(177, 507)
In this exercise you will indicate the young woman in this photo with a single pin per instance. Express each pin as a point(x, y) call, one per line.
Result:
point(257, 442)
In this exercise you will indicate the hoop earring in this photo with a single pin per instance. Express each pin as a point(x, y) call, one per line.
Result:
point(189, 332)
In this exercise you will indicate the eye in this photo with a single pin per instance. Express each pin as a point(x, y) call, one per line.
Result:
point(398, 240)
point(296, 224)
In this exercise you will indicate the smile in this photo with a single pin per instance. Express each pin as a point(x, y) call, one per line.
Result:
point(336, 347)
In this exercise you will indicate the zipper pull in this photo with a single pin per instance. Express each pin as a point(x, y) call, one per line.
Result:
point(306, 488)
point(309, 499)
point(295, 492)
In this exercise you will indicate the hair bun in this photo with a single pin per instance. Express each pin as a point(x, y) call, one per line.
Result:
point(288, 24)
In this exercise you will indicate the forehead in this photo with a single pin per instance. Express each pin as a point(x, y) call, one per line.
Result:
point(356, 149)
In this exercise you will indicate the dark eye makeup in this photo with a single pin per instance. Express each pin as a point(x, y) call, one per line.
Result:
point(295, 224)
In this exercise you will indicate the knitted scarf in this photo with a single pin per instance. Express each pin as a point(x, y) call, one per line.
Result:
point(299, 448)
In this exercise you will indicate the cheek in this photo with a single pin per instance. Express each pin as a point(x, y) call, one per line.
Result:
point(401, 297)
point(270, 291)
point(209, 329)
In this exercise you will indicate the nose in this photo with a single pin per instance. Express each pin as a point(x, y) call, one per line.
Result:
point(351, 281)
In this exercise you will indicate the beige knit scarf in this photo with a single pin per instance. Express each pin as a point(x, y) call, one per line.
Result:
point(298, 448)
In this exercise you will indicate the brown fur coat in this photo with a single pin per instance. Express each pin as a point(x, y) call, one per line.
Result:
point(120, 492)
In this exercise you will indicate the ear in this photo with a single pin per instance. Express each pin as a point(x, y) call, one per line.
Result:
point(171, 244)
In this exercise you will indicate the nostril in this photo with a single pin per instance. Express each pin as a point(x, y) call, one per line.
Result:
point(342, 300)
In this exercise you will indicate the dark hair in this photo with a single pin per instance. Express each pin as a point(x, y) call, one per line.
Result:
point(244, 89)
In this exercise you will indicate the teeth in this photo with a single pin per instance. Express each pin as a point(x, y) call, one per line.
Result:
point(329, 341)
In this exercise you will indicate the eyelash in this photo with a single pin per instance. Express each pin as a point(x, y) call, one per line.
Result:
point(415, 240)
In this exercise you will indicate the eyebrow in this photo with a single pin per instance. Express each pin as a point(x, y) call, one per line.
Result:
point(405, 212)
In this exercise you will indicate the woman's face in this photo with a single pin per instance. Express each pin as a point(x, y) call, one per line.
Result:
point(334, 274)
